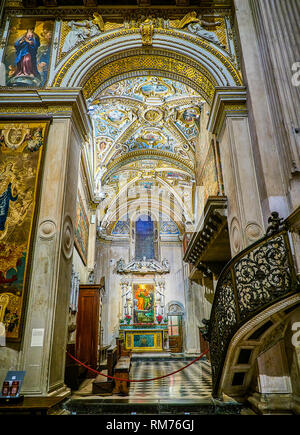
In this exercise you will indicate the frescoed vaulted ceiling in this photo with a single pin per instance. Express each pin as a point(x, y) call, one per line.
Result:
point(146, 130)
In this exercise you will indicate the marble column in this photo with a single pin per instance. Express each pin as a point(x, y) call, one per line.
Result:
point(277, 29)
point(269, 161)
point(229, 122)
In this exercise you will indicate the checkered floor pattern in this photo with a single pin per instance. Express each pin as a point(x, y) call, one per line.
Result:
point(194, 382)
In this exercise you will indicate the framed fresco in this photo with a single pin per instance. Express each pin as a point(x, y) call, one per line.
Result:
point(27, 54)
point(21, 153)
point(81, 230)
point(143, 301)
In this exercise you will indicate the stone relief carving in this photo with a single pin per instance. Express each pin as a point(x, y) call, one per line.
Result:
point(79, 31)
point(143, 266)
point(253, 231)
point(68, 237)
point(236, 236)
point(208, 34)
point(47, 229)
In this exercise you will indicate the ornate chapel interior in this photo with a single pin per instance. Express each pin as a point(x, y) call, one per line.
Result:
point(150, 203)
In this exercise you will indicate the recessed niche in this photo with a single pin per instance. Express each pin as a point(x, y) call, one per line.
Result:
point(260, 331)
point(244, 356)
point(238, 378)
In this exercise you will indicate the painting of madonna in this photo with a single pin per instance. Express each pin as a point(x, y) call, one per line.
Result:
point(28, 53)
point(26, 60)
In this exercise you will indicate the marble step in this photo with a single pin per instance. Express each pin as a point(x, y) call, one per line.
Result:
point(98, 406)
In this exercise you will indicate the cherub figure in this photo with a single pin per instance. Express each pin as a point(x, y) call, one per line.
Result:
point(275, 222)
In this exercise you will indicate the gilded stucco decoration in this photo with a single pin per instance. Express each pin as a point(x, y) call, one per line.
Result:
point(146, 128)
point(203, 83)
point(21, 151)
point(213, 28)
point(212, 33)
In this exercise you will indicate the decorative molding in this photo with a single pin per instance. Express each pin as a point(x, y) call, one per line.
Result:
point(209, 51)
point(68, 237)
point(198, 76)
point(143, 266)
point(227, 102)
point(47, 103)
point(47, 229)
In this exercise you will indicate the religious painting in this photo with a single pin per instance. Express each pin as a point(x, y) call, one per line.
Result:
point(143, 297)
point(209, 175)
point(27, 53)
point(81, 230)
point(21, 152)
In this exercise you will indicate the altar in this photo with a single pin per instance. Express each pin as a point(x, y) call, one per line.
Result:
point(141, 338)
point(143, 321)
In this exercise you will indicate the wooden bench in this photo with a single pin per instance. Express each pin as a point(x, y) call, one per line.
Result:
point(74, 372)
point(122, 369)
point(102, 385)
point(118, 364)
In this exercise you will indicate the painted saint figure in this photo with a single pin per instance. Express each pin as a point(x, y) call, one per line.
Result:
point(140, 299)
point(4, 205)
point(26, 60)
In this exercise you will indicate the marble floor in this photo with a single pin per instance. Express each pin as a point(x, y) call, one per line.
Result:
point(194, 382)
point(186, 392)
point(191, 383)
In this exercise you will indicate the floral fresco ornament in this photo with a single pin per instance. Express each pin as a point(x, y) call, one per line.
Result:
point(14, 137)
point(35, 141)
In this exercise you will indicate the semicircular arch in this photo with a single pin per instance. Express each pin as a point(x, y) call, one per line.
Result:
point(198, 63)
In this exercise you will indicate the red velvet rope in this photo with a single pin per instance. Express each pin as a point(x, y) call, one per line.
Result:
point(137, 380)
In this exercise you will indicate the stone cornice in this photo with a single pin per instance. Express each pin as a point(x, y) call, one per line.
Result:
point(227, 102)
point(120, 11)
point(58, 103)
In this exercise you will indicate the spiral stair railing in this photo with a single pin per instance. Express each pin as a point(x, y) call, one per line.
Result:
point(259, 276)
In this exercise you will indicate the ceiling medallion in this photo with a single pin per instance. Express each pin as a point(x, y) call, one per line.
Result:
point(153, 115)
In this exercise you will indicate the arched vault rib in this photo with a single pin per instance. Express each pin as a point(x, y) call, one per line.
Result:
point(199, 79)
point(142, 205)
point(169, 188)
point(194, 56)
point(150, 155)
